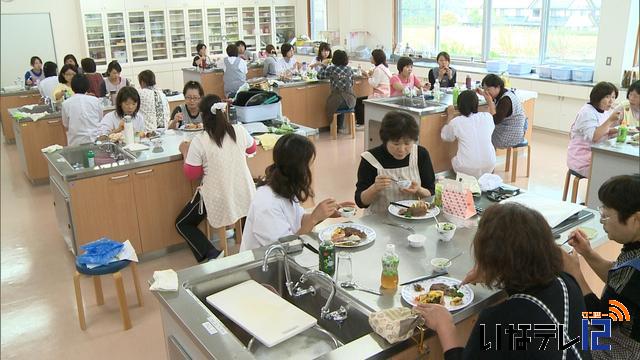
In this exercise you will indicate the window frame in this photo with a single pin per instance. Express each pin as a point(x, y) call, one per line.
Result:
point(310, 19)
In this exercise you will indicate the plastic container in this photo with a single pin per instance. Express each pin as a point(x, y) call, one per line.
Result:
point(496, 66)
point(519, 68)
point(561, 73)
point(544, 71)
point(582, 74)
point(390, 261)
point(249, 114)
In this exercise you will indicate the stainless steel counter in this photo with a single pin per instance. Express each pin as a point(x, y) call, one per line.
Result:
point(195, 70)
point(29, 91)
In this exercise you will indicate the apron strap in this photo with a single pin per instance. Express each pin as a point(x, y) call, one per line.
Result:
point(633, 263)
point(413, 156)
point(371, 160)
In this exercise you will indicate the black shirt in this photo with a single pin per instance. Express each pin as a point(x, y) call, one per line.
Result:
point(367, 173)
point(521, 311)
point(445, 82)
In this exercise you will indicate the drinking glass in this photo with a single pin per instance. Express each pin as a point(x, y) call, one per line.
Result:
point(344, 272)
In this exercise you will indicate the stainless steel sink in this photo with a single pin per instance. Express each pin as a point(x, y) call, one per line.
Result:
point(354, 327)
point(415, 102)
point(105, 154)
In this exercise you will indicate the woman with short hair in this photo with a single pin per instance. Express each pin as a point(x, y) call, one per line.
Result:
point(444, 74)
point(189, 112)
point(342, 96)
point(154, 105)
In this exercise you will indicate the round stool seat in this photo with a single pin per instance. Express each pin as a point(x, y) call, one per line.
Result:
point(344, 111)
point(104, 269)
point(524, 143)
point(576, 174)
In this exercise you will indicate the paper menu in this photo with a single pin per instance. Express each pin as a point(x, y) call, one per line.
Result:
point(554, 211)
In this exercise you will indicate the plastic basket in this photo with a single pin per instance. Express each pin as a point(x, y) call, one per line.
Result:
point(249, 114)
point(519, 68)
point(496, 66)
point(561, 73)
point(582, 74)
point(544, 71)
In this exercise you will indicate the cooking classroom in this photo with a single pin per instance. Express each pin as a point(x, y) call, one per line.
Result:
point(320, 179)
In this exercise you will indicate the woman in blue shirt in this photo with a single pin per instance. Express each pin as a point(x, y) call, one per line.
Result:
point(33, 76)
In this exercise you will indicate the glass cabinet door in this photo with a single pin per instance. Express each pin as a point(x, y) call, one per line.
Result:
point(196, 29)
point(95, 38)
point(232, 31)
point(214, 24)
point(285, 23)
point(138, 35)
point(117, 39)
point(249, 27)
point(158, 35)
point(178, 36)
point(264, 26)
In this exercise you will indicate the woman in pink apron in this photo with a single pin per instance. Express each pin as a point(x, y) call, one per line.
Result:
point(398, 158)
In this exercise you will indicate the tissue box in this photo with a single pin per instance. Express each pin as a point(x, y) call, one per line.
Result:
point(249, 114)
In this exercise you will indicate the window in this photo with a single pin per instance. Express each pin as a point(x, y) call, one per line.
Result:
point(573, 33)
point(516, 34)
point(461, 28)
point(318, 17)
point(417, 24)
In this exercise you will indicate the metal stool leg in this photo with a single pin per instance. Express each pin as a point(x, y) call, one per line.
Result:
point(79, 304)
point(122, 300)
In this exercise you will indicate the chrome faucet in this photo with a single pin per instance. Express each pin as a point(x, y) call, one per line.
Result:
point(47, 101)
point(339, 315)
point(287, 274)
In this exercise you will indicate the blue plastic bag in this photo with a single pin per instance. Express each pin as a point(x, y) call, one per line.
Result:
point(101, 251)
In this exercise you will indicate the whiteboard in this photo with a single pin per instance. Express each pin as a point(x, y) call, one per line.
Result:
point(21, 37)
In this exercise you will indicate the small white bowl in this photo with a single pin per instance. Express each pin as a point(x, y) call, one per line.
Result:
point(403, 184)
point(445, 234)
point(440, 264)
point(416, 240)
point(347, 211)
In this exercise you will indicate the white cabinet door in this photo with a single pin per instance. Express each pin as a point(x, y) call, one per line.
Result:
point(285, 23)
point(95, 35)
point(178, 34)
point(249, 31)
point(117, 37)
point(214, 30)
point(196, 29)
point(265, 26)
point(231, 25)
point(138, 36)
point(158, 33)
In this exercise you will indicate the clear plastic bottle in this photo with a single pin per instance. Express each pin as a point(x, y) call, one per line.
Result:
point(390, 262)
point(128, 130)
point(436, 91)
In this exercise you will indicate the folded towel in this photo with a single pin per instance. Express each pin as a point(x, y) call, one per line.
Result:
point(136, 147)
point(37, 116)
point(51, 148)
point(164, 280)
point(30, 106)
point(268, 141)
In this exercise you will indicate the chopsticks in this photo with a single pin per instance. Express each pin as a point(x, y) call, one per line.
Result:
point(424, 278)
point(400, 205)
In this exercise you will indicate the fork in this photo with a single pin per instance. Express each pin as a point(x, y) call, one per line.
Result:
point(404, 227)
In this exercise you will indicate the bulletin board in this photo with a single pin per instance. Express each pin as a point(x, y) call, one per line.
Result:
point(21, 37)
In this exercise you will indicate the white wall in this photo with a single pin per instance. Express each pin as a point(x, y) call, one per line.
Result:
point(616, 39)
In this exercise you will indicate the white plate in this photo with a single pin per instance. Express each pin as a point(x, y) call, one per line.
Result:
point(371, 234)
point(394, 210)
point(409, 294)
point(190, 130)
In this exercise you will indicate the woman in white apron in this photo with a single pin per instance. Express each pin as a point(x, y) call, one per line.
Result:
point(398, 158)
point(218, 155)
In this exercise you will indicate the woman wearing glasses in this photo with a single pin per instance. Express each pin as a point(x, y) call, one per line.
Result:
point(620, 217)
point(189, 112)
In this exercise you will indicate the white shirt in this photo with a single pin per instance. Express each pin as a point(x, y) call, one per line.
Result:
point(152, 118)
point(476, 154)
point(47, 85)
point(111, 121)
point(81, 115)
point(197, 154)
point(284, 65)
point(270, 218)
point(232, 60)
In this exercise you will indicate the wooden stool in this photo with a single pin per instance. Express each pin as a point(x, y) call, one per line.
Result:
point(574, 188)
point(112, 268)
point(514, 162)
point(222, 234)
point(350, 113)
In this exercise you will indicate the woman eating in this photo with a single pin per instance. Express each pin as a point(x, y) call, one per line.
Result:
point(445, 75)
point(342, 95)
point(50, 81)
point(476, 155)
point(324, 56)
point(127, 104)
point(189, 112)
point(224, 196)
point(593, 124)
point(243, 53)
point(508, 113)
point(270, 66)
point(405, 79)
point(154, 105)
point(63, 89)
point(71, 60)
point(276, 209)
point(235, 71)
point(97, 86)
point(398, 158)
point(630, 108)
point(33, 76)
point(287, 63)
point(114, 82)
point(514, 250)
point(202, 60)
point(380, 75)
point(81, 113)
point(620, 216)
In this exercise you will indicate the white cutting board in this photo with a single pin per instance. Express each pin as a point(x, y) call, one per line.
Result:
point(262, 313)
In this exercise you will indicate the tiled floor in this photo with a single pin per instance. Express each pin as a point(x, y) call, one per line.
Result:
point(38, 309)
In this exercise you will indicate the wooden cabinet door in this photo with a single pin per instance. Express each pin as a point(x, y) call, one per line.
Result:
point(315, 113)
point(294, 100)
point(105, 206)
point(36, 136)
point(440, 152)
point(9, 102)
point(254, 73)
point(161, 191)
point(362, 88)
point(212, 83)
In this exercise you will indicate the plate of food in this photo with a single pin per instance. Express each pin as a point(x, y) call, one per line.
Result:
point(348, 235)
point(442, 290)
point(192, 127)
point(418, 209)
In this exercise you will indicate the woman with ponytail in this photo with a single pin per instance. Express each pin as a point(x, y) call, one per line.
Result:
point(218, 156)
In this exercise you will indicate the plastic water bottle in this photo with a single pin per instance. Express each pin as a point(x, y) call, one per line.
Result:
point(128, 130)
point(436, 91)
point(91, 159)
point(456, 93)
point(390, 262)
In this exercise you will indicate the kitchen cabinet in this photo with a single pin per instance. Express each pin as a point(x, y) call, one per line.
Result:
point(95, 37)
point(31, 137)
point(285, 23)
point(214, 25)
point(231, 25)
point(440, 152)
point(104, 206)
point(196, 29)
point(117, 38)
point(157, 29)
point(8, 101)
point(249, 27)
point(161, 192)
point(305, 104)
point(177, 31)
point(138, 36)
point(265, 26)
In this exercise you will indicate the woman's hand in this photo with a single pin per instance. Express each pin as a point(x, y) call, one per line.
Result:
point(323, 210)
point(29, 81)
point(176, 119)
point(382, 182)
point(451, 111)
point(472, 277)
point(336, 214)
point(571, 264)
point(119, 128)
point(435, 316)
point(615, 118)
point(414, 188)
point(426, 86)
point(580, 242)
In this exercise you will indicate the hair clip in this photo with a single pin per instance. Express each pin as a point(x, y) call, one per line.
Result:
point(222, 106)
